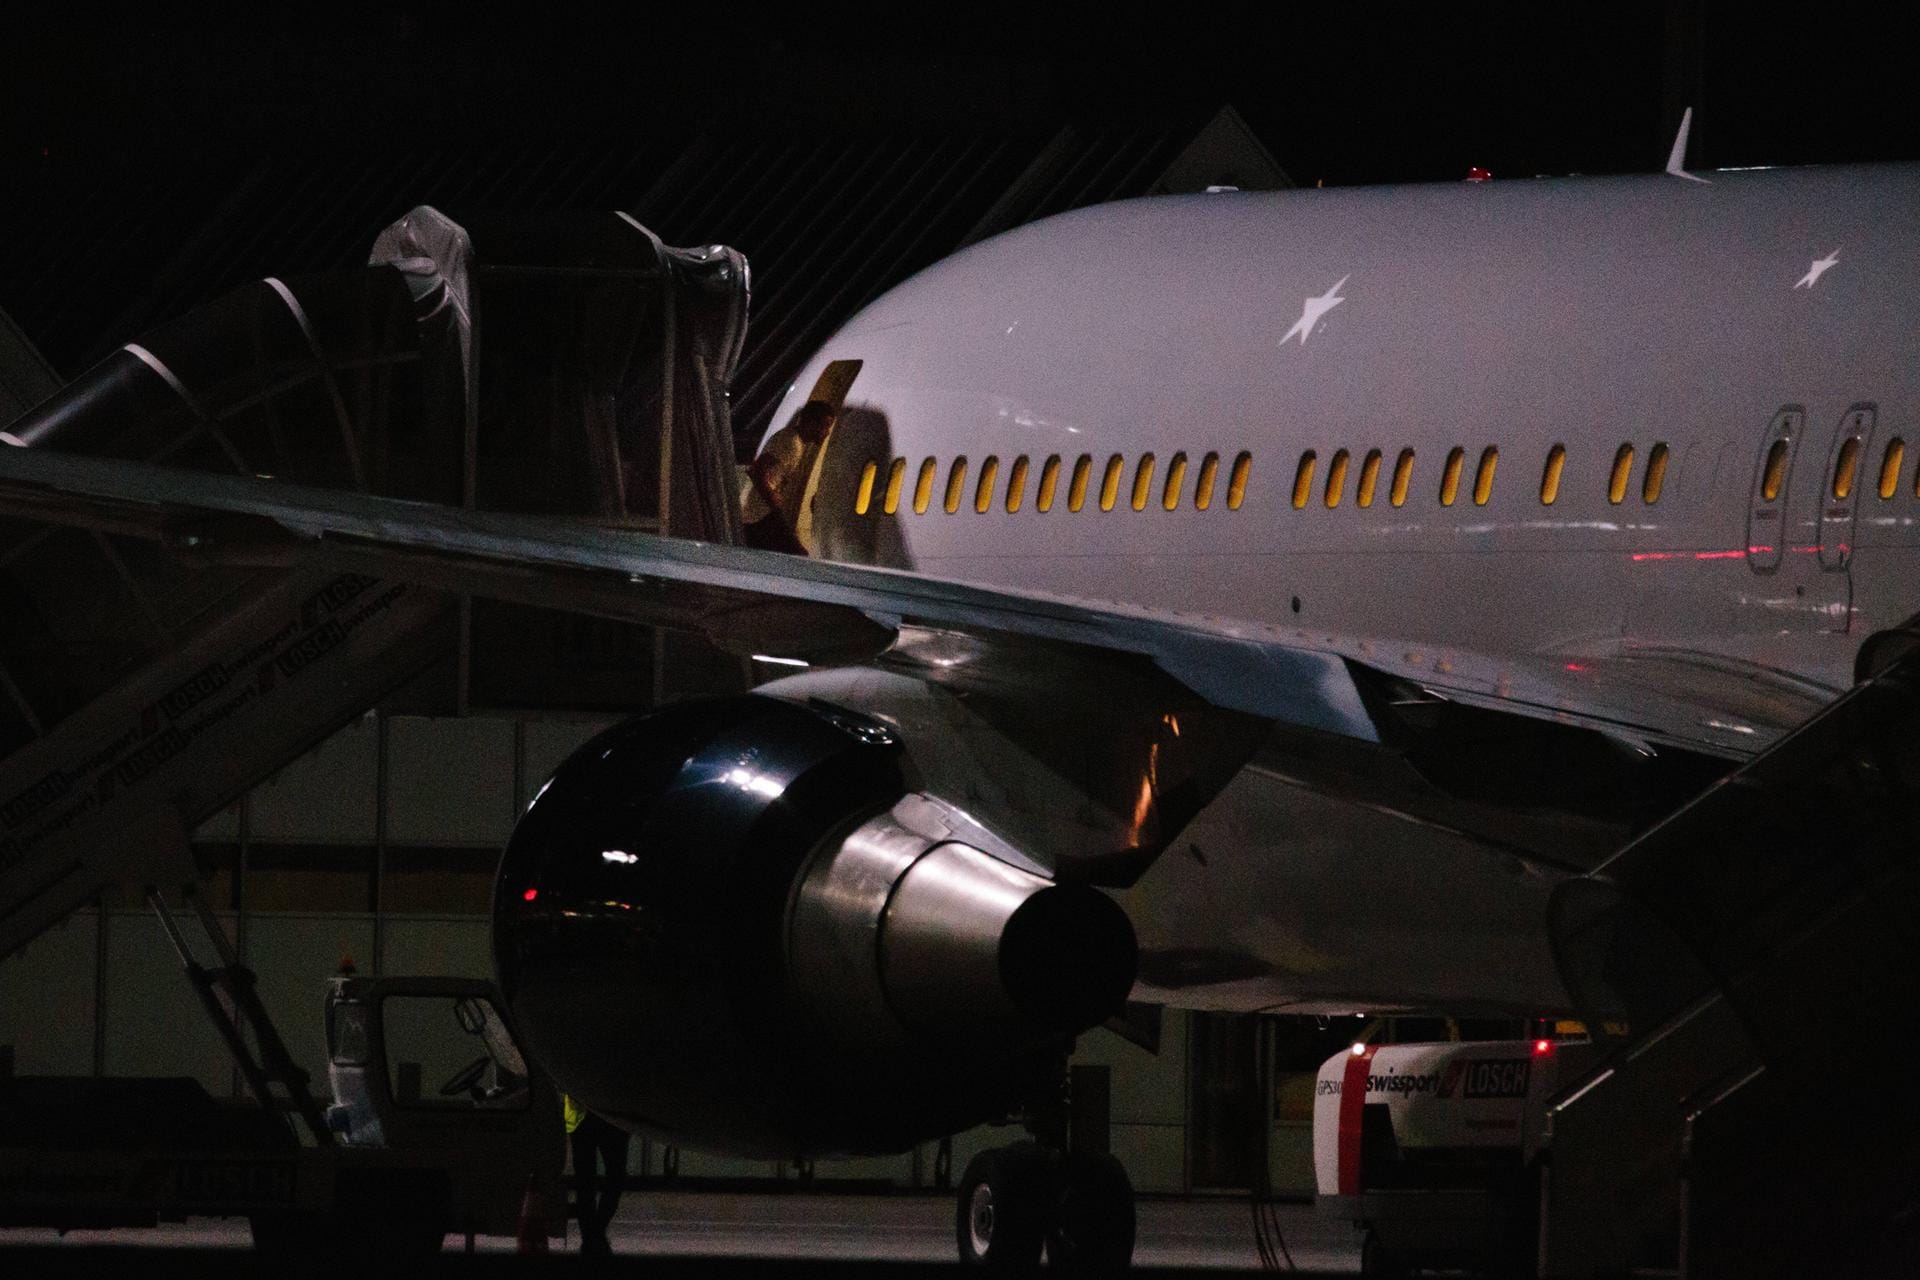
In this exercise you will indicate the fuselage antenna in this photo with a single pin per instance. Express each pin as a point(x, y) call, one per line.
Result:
point(1677, 158)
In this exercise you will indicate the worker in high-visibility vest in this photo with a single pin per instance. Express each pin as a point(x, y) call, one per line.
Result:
point(596, 1194)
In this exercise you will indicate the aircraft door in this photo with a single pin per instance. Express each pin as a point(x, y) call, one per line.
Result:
point(1800, 524)
point(1767, 510)
point(1852, 443)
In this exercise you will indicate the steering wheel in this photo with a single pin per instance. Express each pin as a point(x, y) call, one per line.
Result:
point(465, 1078)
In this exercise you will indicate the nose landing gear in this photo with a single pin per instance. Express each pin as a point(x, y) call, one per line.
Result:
point(1014, 1202)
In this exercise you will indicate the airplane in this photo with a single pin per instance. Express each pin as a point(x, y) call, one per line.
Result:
point(1247, 602)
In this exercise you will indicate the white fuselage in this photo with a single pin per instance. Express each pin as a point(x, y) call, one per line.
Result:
point(1515, 323)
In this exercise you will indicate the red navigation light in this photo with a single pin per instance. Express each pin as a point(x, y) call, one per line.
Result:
point(531, 894)
point(1477, 174)
point(1541, 1047)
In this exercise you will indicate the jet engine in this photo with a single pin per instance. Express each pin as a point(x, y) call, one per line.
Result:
point(737, 925)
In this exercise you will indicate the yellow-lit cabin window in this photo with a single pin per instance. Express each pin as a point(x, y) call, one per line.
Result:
point(1077, 491)
point(1110, 483)
point(1450, 476)
point(956, 484)
point(1551, 473)
point(864, 498)
point(983, 492)
point(1402, 478)
point(1176, 477)
point(923, 487)
point(1369, 478)
point(1203, 487)
point(896, 480)
point(1622, 472)
point(1775, 473)
point(1017, 483)
point(1303, 481)
point(1237, 481)
point(1845, 467)
point(1890, 464)
point(1656, 478)
point(1483, 478)
point(1049, 481)
point(1336, 478)
point(1143, 482)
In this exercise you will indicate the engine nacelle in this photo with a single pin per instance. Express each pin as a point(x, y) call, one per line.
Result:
point(735, 924)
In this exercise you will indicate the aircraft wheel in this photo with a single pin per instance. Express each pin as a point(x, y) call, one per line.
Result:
point(1003, 1209)
point(1094, 1223)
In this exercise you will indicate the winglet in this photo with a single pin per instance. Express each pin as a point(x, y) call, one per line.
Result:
point(1677, 158)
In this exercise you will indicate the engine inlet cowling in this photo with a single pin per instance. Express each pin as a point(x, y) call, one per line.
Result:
point(736, 925)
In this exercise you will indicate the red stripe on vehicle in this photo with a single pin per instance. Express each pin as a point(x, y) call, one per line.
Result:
point(1353, 1097)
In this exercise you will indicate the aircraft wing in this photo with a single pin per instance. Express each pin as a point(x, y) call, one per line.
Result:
point(759, 602)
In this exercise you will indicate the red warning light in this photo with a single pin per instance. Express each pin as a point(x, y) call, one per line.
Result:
point(531, 894)
point(1542, 1047)
point(1477, 174)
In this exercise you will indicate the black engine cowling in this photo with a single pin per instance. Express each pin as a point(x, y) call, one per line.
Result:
point(735, 924)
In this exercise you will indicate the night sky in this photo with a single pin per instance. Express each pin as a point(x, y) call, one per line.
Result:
point(1339, 92)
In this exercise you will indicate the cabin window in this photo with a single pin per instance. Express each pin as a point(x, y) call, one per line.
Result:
point(1110, 483)
point(864, 498)
point(1303, 481)
point(896, 480)
point(956, 483)
point(1077, 491)
point(1450, 476)
point(1890, 464)
point(1336, 478)
point(1203, 487)
point(1237, 481)
point(923, 487)
point(1845, 467)
point(1774, 475)
point(1049, 481)
point(1550, 477)
point(1143, 482)
point(1402, 477)
point(1656, 477)
point(1622, 472)
point(1176, 477)
point(983, 492)
point(1017, 483)
point(1483, 478)
point(1369, 478)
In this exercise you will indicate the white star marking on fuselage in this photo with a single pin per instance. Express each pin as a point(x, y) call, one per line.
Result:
point(1819, 268)
point(1312, 310)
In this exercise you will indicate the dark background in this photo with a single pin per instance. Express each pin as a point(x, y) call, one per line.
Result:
point(1339, 92)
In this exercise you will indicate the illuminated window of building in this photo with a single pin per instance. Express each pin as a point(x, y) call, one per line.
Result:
point(1483, 478)
point(864, 498)
point(1845, 467)
point(956, 483)
point(923, 487)
point(1017, 483)
point(1402, 477)
point(1369, 478)
point(1774, 474)
point(1656, 477)
point(1077, 491)
point(1336, 477)
point(1110, 483)
point(1303, 481)
point(1450, 476)
point(1049, 482)
point(1237, 481)
point(1890, 464)
point(1203, 487)
point(1550, 476)
point(1176, 479)
point(896, 480)
point(1622, 472)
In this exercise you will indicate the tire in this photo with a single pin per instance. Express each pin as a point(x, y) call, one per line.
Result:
point(1003, 1209)
point(1094, 1221)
